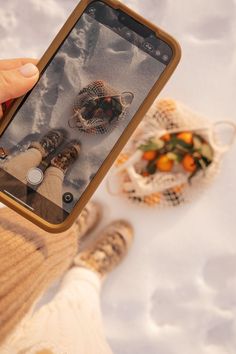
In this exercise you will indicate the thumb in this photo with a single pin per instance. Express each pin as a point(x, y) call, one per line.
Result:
point(15, 83)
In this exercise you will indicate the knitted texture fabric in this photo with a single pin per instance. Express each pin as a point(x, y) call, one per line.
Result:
point(30, 259)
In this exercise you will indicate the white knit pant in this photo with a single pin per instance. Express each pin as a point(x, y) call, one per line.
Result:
point(70, 323)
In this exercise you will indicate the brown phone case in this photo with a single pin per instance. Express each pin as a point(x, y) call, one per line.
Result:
point(70, 23)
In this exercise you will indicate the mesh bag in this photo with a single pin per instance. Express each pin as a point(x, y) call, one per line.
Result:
point(99, 108)
point(165, 120)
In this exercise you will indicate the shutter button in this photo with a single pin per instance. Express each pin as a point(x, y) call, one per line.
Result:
point(34, 176)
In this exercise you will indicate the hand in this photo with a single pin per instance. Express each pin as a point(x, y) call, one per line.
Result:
point(17, 76)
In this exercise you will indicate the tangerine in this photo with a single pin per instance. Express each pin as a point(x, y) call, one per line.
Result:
point(166, 137)
point(187, 137)
point(189, 163)
point(164, 164)
point(149, 155)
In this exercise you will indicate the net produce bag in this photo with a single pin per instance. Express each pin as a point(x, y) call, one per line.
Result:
point(172, 157)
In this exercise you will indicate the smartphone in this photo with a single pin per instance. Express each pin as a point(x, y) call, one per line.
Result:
point(97, 80)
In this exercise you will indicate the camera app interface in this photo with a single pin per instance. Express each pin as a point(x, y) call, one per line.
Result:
point(86, 97)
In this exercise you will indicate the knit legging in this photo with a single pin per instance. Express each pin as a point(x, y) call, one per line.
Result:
point(30, 259)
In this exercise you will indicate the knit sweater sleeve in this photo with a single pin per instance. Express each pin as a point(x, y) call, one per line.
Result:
point(30, 259)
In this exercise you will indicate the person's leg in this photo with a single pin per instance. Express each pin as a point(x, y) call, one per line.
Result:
point(51, 187)
point(19, 165)
point(71, 322)
point(31, 259)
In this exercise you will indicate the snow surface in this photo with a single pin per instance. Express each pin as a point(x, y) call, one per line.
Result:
point(176, 292)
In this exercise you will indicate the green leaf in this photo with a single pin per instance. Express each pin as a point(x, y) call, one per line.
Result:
point(172, 156)
point(160, 143)
point(152, 145)
point(197, 155)
point(202, 164)
point(197, 143)
point(206, 161)
point(207, 151)
point(193, 175)
point(182, 146)
point(151, 168)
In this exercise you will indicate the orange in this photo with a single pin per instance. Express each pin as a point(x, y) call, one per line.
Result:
point(164, 164)
point(188, 163)
point(186, 137)
point(149, 155)
point(166, 137)
point(145, 174)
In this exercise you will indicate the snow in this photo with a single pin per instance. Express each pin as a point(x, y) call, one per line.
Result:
point(176, 291)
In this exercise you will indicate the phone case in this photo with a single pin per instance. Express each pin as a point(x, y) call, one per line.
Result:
point(70, 23)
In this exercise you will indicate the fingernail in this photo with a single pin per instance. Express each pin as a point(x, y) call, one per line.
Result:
point(28, 70)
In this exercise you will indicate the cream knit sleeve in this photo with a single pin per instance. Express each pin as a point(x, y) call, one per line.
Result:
point(30, 259)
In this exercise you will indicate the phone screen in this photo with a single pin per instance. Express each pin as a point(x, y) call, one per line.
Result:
point(68, 124)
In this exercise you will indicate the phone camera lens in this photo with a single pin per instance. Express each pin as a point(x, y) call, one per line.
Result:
point(68, 198)
point(92, 11)
point(148, 46)
point(165, 57)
